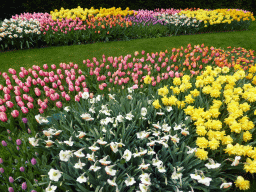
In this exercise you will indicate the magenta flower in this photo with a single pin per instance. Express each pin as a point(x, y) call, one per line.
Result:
point(25, 120)
point(24, 186)
point(18, 142)
point(10, 189)
point(11, 180)
point(22, 169)
point(1, 170)
point(33, 161)
point(4, 143)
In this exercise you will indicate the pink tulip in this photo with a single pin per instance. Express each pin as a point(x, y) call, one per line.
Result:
point(1, 101)
point(142, 52)
point(45, 66)
point(59, 104)
point(34, 82)
point(41, 73)
point(46, 88)
point(7, 97)
point(41, 110)
point(6, 90)
point(2, 108)
point(101, 87)
point(47, 93)
point(51, 79)
point(71, 88)
point(171, 73)
point(52, 91)
point(77, 88)
point(24, 110)
point(53, 66)
point(37, 92)
point(153, 83)
point(30, 99)
point(177, 74)
point(158, 79)
point(1, 87)
point(52, 97)
point(54, 85)
point(61, 88)
point(9, 104)
point(75, 66)
point(15, 113)
point(26, 89)
point(42, 83)
point(39, 101)
point(77, 98)
point(67, 97)
point(192, 72)
point(30, 105)
point(3, 116)
point(56, 77)
point(43, 105)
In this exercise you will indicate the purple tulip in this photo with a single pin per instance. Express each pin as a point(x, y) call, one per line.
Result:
point(1, 169)
point(4, 143)
point(10, 189)
point(33, 161)
point(11, 179)
point(24, 186)
point(25, 120)
point(18, 142)
point(22, 169)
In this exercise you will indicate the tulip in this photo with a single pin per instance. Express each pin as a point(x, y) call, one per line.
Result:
point(45, 66)
point(177, 74)
point(77, 98)
point(3, 116)
point(59, 104)
point(2, 108)
point(10, 189)
point(21, 103)
point(41, 110)
point(44, 105)
point(7, 97)
point(25, 120)
point(24, 110)
point(22, 169)
point(30, 105)
point(15, 113)
point(53, 66)
point(4, 143)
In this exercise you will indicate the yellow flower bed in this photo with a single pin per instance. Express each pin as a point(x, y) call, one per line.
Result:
point(218, 16)
point(220, 106)
point(85, 13)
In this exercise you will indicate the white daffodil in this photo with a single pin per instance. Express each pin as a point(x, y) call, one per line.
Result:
point(236, 161)
point(127, 155)
point(142, 151)
point(156, 133)
point(176, 175)
point(129, 97)
point(54, 174)
point(90, 157)
point(120, 118)
point(87, 117)
point(94, 167)
point(151, 143)
point(195, 176)
point(114, 147)
point(49, 132)
point(82, 179)
point(184, 132)
point(50, 188)
point(161, 168)
point(69, 142)
point(143, 187)
point(169, 108)
point(40, 119)
point(175, 139)
point(143, 165)
point(151, 151)
point(79, 153)
point(136, 154)
point(85, 95)
point(156, 161)
point(146, 179)
point(33, 141)
point(225, 185)
point(92, 110)
point(112, 96)
point(101, 142)
point(67, 108)
point(191, 150)
point(205, 180)
point(130, 90)
point(81, 134)
point(110, 171)
point(177, 127)
point(165, 127)
point(65, 155)
point(129, 116)
point(94, 148)
point(104, 161)
point(112, 182)
point(143, 111)
point(212, 164)
point(79, 165)
point(158, 126)
point(129, 181)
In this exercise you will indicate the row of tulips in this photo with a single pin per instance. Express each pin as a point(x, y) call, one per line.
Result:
point(69, 26)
